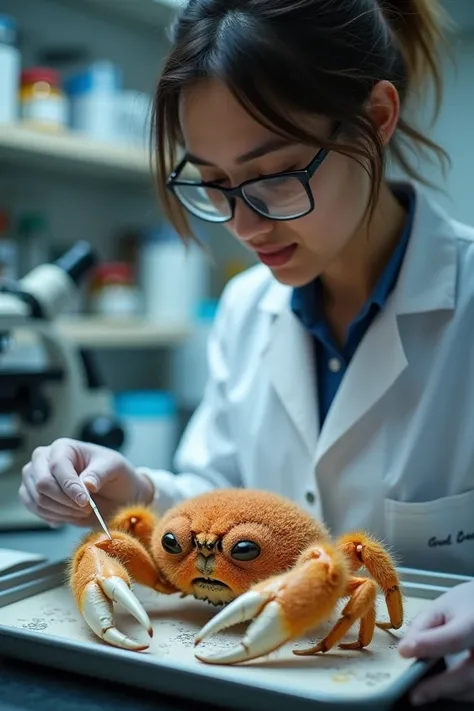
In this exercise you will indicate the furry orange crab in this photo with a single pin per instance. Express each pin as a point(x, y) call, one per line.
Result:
point(257, 553)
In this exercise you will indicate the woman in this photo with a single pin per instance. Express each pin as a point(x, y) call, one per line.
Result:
point(341, 367)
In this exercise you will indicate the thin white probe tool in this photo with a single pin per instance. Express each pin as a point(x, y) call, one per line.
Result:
point(97, 513)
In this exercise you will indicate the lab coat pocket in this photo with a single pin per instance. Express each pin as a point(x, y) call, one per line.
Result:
point(433, 535)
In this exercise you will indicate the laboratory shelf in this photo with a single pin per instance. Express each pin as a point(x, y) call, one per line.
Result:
point(98, 332)
point(69, 151)
point(120, 333)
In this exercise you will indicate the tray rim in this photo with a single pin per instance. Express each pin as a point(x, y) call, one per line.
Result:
point(31, 573)
point(106, 663)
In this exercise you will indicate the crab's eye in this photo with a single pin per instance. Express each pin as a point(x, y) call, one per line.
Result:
point(170, 544)
point(245, 550)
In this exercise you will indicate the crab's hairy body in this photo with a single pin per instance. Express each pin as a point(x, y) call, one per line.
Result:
point(255, 550)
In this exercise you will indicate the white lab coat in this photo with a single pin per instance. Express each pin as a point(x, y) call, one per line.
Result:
point(396, 452)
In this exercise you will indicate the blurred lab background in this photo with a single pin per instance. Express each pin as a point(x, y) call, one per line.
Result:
point(76, 83)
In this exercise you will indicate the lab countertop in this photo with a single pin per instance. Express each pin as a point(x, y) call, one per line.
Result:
point(37, 688)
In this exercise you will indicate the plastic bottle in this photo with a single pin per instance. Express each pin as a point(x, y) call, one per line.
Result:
point(189, 369)
point(42, 101)
point(174, 278)
point(113, 292)
point(93, 95)
point(150, 421)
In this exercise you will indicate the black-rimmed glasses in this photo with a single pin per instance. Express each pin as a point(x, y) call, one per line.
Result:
point(277, 196)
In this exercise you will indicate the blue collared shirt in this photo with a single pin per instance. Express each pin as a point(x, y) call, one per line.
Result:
point(331, 360)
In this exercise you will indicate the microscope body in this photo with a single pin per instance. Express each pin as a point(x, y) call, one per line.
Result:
point(61, 398)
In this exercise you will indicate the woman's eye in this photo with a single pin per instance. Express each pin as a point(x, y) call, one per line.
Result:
point(245, 550)
point(279, 182)
point(170, 544)
point(290, 169)
point(214, 179)
point(276, 173)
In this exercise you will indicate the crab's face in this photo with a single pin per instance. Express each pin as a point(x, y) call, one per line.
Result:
point(216, 547)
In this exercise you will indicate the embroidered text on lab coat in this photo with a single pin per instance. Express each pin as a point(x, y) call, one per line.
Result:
point(461, 537)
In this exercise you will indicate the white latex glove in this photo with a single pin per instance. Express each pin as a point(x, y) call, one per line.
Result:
point(53, 483)
point(445, 628)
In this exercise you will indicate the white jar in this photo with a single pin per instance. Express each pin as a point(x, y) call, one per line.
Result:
point(173, 278)
point(189, 370)
point(113, 290)
point(116, 302)
point(150, 421)
point(93, 95)
point(43, 104)
point(9, 70)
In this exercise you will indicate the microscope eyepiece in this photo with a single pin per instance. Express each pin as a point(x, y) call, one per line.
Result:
point(50, 288)
point(78, 260)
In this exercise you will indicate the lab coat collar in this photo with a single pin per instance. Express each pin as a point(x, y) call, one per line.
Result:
point(427, 280)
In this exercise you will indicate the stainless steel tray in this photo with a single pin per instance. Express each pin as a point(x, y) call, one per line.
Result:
point(39, 623)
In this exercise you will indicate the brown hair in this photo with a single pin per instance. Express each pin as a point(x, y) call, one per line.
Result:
point(285, 58)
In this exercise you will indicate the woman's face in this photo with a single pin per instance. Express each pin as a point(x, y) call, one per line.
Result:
point(219, 132)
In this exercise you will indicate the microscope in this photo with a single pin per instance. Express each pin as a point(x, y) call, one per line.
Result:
point(59, 394)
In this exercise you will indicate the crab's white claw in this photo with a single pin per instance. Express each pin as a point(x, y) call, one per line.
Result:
point(97, 610)
point(264, 635)
point(117, 590)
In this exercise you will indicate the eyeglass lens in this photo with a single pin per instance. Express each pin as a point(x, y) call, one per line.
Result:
point(279, 197)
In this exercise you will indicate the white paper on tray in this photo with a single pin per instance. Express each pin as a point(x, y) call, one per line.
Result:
point(176, 621)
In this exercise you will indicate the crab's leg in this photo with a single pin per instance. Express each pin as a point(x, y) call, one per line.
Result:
point(361, 605)
point(362, 550)
point(101, 573)
point(284, 607)
point(139, 521)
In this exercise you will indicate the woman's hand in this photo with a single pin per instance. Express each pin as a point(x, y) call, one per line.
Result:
point(53, 482)
point(445, 628)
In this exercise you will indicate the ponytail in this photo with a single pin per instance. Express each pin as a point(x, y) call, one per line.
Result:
point(420, 29)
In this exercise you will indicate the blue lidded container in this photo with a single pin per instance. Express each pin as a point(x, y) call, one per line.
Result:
point(145, 403)
point(100, 76)
point(206, 310)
